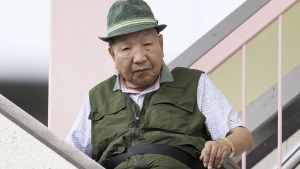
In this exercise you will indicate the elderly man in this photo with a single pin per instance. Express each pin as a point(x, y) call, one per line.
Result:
point(147, 116)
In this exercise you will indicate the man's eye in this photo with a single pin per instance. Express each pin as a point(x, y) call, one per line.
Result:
point(148, 44)
point(125, 49)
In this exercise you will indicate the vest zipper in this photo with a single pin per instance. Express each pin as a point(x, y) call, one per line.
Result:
point(137, 120)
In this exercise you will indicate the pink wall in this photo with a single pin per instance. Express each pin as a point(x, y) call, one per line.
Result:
point(78, 59)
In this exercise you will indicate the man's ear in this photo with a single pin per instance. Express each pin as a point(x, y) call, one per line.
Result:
point(161, 41)
point(112, 53)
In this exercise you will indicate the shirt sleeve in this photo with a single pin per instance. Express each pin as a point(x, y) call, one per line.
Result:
point(220, 115)
point(80, 133)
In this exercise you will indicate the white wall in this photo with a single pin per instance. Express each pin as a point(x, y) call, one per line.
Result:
point(24, 42)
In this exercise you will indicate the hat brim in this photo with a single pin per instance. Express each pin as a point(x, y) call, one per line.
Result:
point(132, 29)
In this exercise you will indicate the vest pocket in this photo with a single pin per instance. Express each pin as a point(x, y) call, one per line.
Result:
point(110, 114)
point(171, 114)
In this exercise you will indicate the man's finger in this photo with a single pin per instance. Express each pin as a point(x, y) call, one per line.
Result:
point(222, 161)
point(219, 157)
point(205, 153)
point(212, 156)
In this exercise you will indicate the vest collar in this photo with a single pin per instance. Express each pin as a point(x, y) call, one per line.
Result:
point(165, 76)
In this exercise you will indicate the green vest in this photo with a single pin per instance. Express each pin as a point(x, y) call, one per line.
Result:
point(169, 116)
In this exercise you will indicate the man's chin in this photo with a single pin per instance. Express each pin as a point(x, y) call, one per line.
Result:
point(144, 83)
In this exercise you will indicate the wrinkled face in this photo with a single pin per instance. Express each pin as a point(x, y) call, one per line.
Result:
point(138, 58)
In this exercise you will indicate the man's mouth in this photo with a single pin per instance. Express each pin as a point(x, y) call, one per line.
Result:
point(140, 70)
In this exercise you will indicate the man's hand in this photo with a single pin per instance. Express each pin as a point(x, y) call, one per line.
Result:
point(214, 153)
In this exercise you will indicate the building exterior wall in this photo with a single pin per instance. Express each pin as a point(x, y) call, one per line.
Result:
point(262, 61)
point(21, 150)
point(78, 59)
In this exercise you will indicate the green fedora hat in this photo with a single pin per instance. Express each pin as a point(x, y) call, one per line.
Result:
point(128, 16)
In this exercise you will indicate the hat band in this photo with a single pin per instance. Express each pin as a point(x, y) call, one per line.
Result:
point(131, 22)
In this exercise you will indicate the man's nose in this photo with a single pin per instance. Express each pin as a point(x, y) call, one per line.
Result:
point(139, 55)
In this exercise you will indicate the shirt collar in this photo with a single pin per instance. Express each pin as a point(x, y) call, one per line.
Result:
point(165, 76)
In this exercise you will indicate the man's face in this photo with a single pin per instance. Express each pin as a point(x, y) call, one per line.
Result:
point(138, 58)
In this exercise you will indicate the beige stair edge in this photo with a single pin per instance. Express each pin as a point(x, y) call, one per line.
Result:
point(46, 136)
